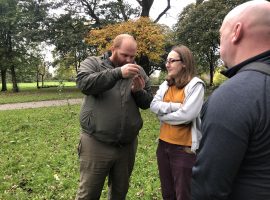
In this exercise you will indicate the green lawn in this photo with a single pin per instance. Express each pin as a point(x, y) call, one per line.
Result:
point(38, 155)
point(26, 86)
point(38, 149)
point(29, 92)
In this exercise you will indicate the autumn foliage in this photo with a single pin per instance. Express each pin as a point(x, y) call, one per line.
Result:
point(149, 36)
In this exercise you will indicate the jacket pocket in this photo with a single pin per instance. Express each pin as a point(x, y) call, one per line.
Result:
point(87, 121)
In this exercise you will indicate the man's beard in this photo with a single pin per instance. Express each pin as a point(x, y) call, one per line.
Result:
point(118, 62)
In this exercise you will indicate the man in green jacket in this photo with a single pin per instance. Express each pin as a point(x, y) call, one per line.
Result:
point(115, 88)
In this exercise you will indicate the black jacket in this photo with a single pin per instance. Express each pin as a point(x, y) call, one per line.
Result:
point(233, 161)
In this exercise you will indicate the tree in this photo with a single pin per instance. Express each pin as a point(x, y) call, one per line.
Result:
point(107, 12)
point(125, 12)
point(7, 24)
point(68, 30)
point(3, 67)
point(21, 23)
point(65, 72)
point(148, 34)
point(67, 35)
point(198, 28)
point(42, 73)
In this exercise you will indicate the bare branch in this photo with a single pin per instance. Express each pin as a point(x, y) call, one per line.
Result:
point(164, 11)
point(122, 9)
point(139, 2)
point(91, 10)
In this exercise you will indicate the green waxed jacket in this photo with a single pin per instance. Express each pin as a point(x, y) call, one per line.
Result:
point(110, 111)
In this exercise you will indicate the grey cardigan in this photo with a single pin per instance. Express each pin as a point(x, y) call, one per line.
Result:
point(177, 113)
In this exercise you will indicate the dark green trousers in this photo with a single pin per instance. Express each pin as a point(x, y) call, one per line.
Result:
point(99, 160)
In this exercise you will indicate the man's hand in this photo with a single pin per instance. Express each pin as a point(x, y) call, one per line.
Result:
point(138, 83)
point(130, 70)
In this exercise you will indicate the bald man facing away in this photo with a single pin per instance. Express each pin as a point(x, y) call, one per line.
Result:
point(233, 161)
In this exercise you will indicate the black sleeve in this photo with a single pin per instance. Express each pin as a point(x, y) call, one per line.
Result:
point(226, 127)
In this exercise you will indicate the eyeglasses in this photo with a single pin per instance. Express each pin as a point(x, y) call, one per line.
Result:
point(172, 61)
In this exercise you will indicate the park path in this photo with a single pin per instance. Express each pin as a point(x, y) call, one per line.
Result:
point(40, 104)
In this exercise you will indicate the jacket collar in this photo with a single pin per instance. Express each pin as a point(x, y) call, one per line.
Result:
point(106, 58)
point(263, 57)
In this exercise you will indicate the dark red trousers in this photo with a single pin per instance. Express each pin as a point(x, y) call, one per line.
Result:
point(175, 170)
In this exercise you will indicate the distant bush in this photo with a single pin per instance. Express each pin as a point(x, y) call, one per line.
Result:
point(218, 78)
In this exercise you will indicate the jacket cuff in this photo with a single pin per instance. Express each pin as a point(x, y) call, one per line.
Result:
point(118, 73)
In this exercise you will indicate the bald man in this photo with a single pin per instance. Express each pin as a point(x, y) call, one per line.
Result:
point(233, 161)
point(115, 89)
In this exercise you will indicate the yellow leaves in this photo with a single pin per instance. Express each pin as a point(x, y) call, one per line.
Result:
point(218, 77)
point(149, 36)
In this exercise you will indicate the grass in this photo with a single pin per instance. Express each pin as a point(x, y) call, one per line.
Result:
point(26, 86)
point(29, 92)
point(66, 90)
point(38, 149)
point(38, 155)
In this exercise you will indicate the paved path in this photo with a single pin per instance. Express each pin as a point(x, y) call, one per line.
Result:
point(40, 104)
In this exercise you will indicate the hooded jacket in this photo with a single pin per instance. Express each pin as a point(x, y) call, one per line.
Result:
point(177, 113)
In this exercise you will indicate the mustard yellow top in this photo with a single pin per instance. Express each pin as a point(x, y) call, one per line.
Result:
point(175, 134)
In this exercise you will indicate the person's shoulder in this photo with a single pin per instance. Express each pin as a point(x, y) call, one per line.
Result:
point(245, 80)
point(195, 81)
point(243, 87)
point(163, 86)
point(93, 60)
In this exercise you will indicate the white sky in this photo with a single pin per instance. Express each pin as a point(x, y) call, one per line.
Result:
point(171, 17)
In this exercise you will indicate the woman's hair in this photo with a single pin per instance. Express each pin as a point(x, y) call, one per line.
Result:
point(188, 70)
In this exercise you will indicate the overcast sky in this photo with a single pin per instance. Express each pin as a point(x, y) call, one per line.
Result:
point(159, 5)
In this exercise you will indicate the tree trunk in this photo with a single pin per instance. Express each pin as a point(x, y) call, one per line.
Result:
point(76, 61)
point(146, 6)
point(12, 67)
point(211, 73)
point(37, 78)
point(4, 79)
point(122, 9)
point(14, 79)
point(42, 81)
point(145, 64)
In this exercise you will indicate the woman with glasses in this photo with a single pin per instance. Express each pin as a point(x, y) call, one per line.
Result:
point(177, 105)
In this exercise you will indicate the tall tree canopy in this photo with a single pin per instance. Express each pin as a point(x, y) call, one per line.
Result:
point(108, 12)
point(68, 30)
point(198, 28)
point(67, 35)
point(21, 29)
point(26, 24)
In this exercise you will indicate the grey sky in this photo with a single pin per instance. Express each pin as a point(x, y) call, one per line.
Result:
point(159, 5)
